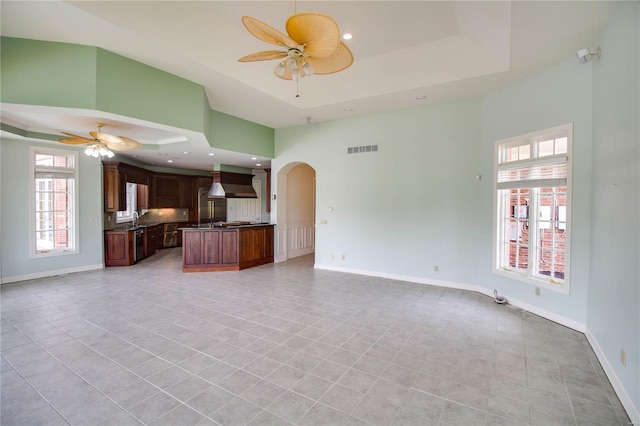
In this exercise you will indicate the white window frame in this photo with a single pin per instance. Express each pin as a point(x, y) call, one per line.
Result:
point(71, 173)
point(132, 197)
point(530, 276)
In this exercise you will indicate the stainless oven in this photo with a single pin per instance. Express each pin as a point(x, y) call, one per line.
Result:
point(170, 235)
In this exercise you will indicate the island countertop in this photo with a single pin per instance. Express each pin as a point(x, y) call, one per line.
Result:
point(230, 246)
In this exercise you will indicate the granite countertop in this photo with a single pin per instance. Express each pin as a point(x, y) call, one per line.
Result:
point(132, 228)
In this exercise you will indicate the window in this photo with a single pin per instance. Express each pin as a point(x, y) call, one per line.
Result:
point(127, 215)
point(532, 207)
point(54, 210)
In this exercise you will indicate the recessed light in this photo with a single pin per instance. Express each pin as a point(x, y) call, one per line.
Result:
point(186, 152)
point(258, 164)
point(211, 154)
point(254, 158)
point(169, 161)
point(348, 109)
point(347, 36)
point(421, 98)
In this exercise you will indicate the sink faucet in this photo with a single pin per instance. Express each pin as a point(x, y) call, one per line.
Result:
point(135, 216)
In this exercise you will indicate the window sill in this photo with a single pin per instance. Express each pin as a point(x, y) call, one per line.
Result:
point(534, 281)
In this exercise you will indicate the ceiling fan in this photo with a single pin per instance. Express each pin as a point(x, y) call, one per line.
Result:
point(102, 143)
point(312, 46)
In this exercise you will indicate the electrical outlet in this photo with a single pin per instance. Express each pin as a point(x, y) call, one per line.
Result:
point(108, 218)
point(436, 268)
point(160, 213)
point(537, 291)
point(344, 257)
point(331, 256)
point(184, 213)
point(623, 357)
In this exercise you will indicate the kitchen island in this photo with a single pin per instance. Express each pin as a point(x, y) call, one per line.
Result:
point(227, 247)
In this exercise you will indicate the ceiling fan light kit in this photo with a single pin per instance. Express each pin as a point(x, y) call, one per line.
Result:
point(312, 46)
point(102, 144)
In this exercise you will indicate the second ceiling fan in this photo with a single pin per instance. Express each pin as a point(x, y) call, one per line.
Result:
point(102, 143)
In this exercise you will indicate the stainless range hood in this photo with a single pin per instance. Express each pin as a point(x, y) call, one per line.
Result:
point(232, 185)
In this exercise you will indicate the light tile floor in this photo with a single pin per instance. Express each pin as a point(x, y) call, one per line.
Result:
point(285, 344)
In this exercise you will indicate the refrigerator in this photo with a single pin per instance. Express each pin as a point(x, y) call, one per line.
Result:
point(211, 209)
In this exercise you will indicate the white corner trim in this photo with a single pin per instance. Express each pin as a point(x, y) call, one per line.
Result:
point(47, 274)
point(552, 316)
point(618, 387)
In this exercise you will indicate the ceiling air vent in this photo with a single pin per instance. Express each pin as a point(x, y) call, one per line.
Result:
point(361, 149)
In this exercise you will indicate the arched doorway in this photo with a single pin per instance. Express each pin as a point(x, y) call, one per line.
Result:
point(295, 212)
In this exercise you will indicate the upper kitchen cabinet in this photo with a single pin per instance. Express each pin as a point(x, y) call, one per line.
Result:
point(115, 188)
point(171, 191)
point(142, 196)
point(115, 177)
point(166, 191)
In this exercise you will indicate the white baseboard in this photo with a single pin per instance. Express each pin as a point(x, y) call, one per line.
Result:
point(627, 402)
point(552, 316)
point(46, 274)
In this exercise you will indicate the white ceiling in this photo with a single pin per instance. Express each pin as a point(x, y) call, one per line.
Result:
point(444, 50)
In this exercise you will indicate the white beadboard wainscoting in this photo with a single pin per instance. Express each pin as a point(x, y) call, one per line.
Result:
point(295, 239)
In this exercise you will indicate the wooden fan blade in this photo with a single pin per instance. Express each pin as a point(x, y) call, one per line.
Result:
point(124, 144)
point(86, 140)
point(266, 32)
point(338, 62)
point(116, 143)
point(105, 137)
point(75, 141)
point(264, 56)
point(319, 34)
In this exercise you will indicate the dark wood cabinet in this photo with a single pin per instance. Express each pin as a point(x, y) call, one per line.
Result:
point(152, 240)
point(189, 194)
point(211, 249)
point(115, 188)
point(154, 190)
point(115, 178)
point(118, 248)
point(166, 191)
point(142, 196)
point(226, 249)
point(256, 246)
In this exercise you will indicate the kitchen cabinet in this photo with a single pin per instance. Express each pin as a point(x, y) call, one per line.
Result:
point(142, 196)
point(188, 192)
point(226, 248)
point(210, 249)
point(154, 190)
point(115, 190)
point(153, 239)
point(172, 191)
point(256, 246)
point(115, 178)
point(119, 248)
point(166, 191)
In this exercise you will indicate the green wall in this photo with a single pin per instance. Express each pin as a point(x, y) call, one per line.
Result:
point(235, 134)
point(74, 76)
point(127, 87)
point(47, 73)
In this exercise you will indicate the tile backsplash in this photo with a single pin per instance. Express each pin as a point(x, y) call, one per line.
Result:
point(150, 216)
